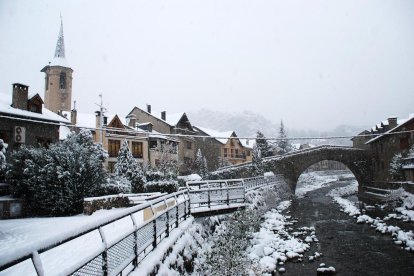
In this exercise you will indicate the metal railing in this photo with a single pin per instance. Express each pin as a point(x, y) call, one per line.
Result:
point(138, 231)
point(208, 194)
point(149, 224)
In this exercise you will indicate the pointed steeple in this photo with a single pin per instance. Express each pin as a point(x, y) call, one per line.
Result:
point(60, 45)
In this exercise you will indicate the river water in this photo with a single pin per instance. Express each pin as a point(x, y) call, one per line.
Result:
point(353, 249)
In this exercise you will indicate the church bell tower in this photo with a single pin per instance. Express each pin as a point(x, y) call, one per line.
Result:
point(58, 79)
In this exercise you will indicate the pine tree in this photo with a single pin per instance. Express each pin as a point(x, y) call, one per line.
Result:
point(201, 165)
point(257, 162)
point(3, 148)
point(263, 145)
point(396, 167)
point(127, 167)
point(282, 143)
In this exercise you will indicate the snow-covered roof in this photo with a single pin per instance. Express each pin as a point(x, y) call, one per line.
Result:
point(88, 120)
point(248, 143)
point(174, 118)
point(47, 115)
point(400, 123)
point(219, 136)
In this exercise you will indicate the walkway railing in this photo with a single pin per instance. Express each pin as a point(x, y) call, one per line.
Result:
point(221, 194)
point(139, 229)
point(117, 243)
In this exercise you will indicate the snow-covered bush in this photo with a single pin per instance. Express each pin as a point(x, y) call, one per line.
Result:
point(54, 181)
point(117, 185)
point(126, 166)
point(396, 167)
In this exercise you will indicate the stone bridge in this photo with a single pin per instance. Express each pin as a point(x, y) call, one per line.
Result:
point(292, 165)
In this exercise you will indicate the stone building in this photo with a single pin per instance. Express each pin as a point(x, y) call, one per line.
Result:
point(24, 120)
point(391, 137)
point(58, 79)
point(361, 139)
point(168, 124)
point(232, 149)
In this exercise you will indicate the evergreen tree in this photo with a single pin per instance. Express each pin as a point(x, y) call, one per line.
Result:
point(127, 167)
point(166, 153)
point(55, 181)
point(263, 145)
point(3, 148)
point(396, 167)
point(201, 165)
point(257, 162)
point(282, 145)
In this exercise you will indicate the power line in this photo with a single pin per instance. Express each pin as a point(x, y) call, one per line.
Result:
point(129, 132)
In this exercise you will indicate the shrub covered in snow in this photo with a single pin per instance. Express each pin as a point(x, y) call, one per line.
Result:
point(54, 181)
point(263, 145)
point(126, 166)
point(201, 165)
point(117, 185)
point(257, 161)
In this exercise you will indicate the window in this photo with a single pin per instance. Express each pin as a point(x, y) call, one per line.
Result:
point(137, 149)
point(237, 153)
point(189, 145)
point(62, 80)
point(225, 152)
point(153, 144)
point(113, 147)
point(111, 167)
point(232, 153)
point(248, 152)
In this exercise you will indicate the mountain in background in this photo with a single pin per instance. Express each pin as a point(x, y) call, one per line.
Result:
point(247, 123)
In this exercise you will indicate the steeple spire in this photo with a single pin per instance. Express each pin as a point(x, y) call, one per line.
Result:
point(60, 45)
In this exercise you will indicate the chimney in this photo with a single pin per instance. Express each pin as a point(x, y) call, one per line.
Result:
point(164, 115)
point(73, 116)
point(20, 96)
point(132, 120)
point(392, 121)
point(97, 119)
point(149, 108)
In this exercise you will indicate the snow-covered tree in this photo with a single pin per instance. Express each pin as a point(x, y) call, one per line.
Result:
point(3, 148)
point(263, 145)
point(166, 154)
point(55, 181)
point(117, 184)
point(396, 167)
point(282, 144)
point(126, 166)
point(223, 162)
point(257, 161)
point(201, 165)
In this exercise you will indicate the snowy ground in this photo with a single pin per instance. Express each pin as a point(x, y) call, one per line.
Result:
point(403, 238)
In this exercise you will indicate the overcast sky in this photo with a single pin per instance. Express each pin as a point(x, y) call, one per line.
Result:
point(314, 64)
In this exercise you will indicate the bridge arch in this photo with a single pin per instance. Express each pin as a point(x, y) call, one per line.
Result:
point(294, 164)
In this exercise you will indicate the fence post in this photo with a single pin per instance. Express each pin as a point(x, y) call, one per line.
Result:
point(135, 261)
point(176, 212)
point(105, 253)
point(37, 263)
point(208, 193)
point(168, 224)
point(154, 243)
point(228, 196)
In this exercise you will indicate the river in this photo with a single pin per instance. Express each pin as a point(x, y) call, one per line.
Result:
point(351, 248)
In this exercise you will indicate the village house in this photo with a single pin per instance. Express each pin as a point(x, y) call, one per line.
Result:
point(25, 121)
point(232, 150)
point(392, 136)
point(169, 125)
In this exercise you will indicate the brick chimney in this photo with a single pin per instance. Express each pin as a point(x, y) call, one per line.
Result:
point(164, 115)
point(20, 96)
point(392, 122)
point(97, 119)
point(149, 108)
point(73, 116)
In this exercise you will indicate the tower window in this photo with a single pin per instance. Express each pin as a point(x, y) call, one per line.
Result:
point(62, 81)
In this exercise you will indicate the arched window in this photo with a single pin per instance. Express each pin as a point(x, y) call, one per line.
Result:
point(62, 81)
